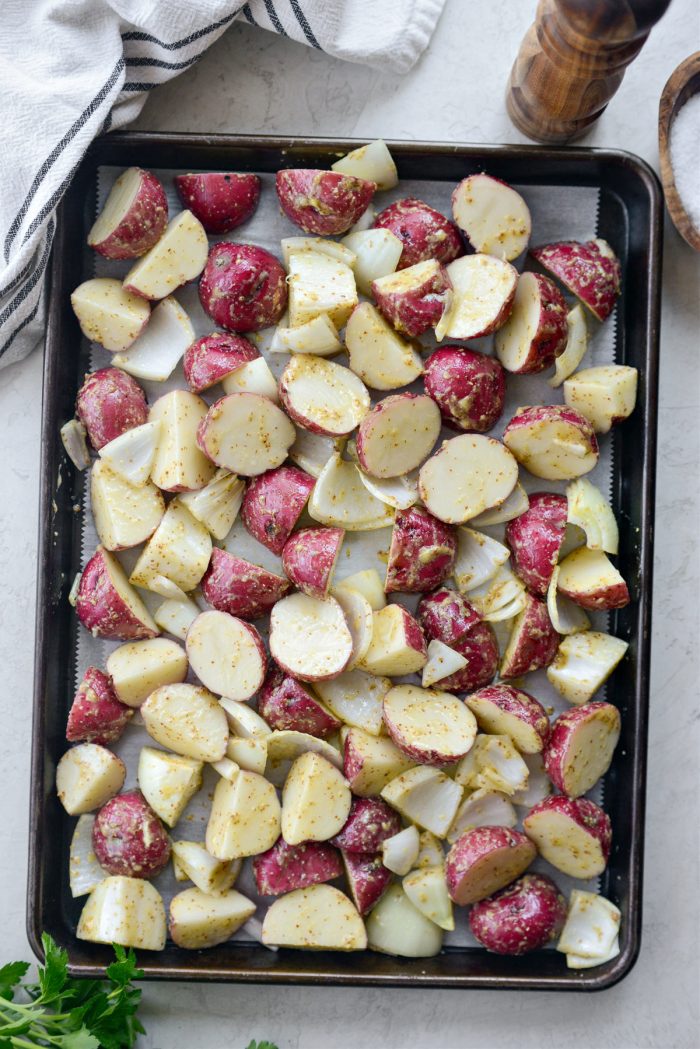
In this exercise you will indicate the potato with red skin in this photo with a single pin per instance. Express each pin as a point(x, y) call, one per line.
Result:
point(371, 821)
point(96, 715)
point(107, 605)
point(397, 435)
point(424, 232)
point(590, 270)
point(213, 357)
point(221, 200)
point(536, 331)
point(109, 403)
point(573, 834)
point(128, 838)
point(503, 710)
point(273, 503)
point(309, 558)
point(446, 616)
point(581, 746)
point(468, 388)
point(414, 299)
point(485, 860)
point(422, 552)
point(243, 287)
point(552, 441)
point(533, 641)
point(133, 218)
point(286, 704)
point(324, 203)
point(241, 588)
point(535, 539)
point(370, 762)
point(284, 867)
point(367, 877)
point(430, 726)
point(478, 646)
point(590, 579)
point(523, 917)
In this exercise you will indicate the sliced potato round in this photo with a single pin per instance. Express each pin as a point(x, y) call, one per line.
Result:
point(226, 654)
point(246, 433)
point(468, 474)
point(430, 726)
point(396, 436)
point(323, 397)
point(315, 802)
point(309, 637)
point(319, 917)
point(188, 720)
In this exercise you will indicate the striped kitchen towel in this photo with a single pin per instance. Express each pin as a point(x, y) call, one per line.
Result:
point(71, 69)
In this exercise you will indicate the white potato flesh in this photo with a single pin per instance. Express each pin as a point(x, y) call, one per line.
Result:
point(188, 720)
point(311, 451)
point(226, 654)
point(569, 846)
point(578, 961)
point(501, 597)
point(590, 510)
point(393, 650)
point(427, 891)
point(340, 498)
point(126, 911)
point(566, 617)
point(321, 245)
point(247, 434)
point(430, 853)
point(553, 448)
point(118, 209)
point(355, 697)
point(576, 346)
point(368, 582)
point(373, 761)
point(319, 917)
point(319, 285)
point(324, 395)
point(478, 559)
point(176, 617)
point(583, 663)
point(108, 314)
point(493, 764)
point(513, 342)
point(398, 434)
point(210, 875)
point(132, 454)
point(244, 818)
point(397, 492)
point(378, 354)
point(592, 926)
point(199, 920)
point(286, 745)
point(429, 724)
point(318, 337)
point(168, 782)
point(125, 515)
point(252, 377)
point(159, 347)
point(587, 573)
point(539, 785)
point(73, 438)
point(358, 617)
point(425, 796)
point(396, 926)
point(442, 661)
point(179, 549)
point(139, 667)
point(482, 286)
point(466, 476)
point(216, 505)
point(372, 162)
point(482, 808)
point(315, 801)
point(249, 754)
point(309, 637)
point(226, 768)
point(400, 851)
point(243, 720)
point(377, 253)
point(87, 776)
point(178, 257)
point(605, 395)
point(85, 873)
point(494, 216)
point(515, 505)
point(179, 463)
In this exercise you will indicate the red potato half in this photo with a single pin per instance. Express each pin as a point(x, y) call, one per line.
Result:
point(286, 704)
point(213, 357)
point(243, 287)
point(371, 821)
point(484, 289)
point(322, 396)
point(96, 715)
point(309, 637)
point(480, 649)
point(446, 616)
point(273, 503)
point(494, 218)
point(485, 860)
point(133, 218)
point(591, 580)
point(367, 877)
point(590, 270)
point(310, 556)
point(502, 710)
point(468, 388)
point(397, 434)
point(581, 746)
point(107, 604)
point(533, 641)
point(129, 839)
point(536, 332)
point(535, 539)
point(414, 299)
point(240, 587)
point(108, 404)
point(227, 655)
point(322, 202)
point(284, 867)
point(430, 726)
point(246, 434)
point(552, 441)
point(422, 552)
point(466, 476)
point(397, 646)
point(523, 917)
point(221, 200)
point(108, 313)
point(175, 259)
point(573, 834)
point(370, 762)
point(424, 232)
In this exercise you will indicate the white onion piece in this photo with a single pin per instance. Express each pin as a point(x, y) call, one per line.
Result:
point(592, 925)
point(400, 852)
point(85, 871)
point(566, 616)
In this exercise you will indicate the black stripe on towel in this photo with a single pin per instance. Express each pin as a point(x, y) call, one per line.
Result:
point(29, 285)
point(248, 15)
point(274, 18)
point(158, 63)
point(51, 203)
point(303, 22)
point(20, 327)
point(177, 44)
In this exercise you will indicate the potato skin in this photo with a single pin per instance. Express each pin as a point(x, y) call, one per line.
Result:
point(530, 415)
point(516, 702)
point(422, 552)
point(476, 845)
point(309, 557)
point(446, 616)
point(425, 232)
point(371, 821)
point(535, 538)
point(478, 646)
point(523, 917)
point(100, 608)
point(592, 275)
point(582, 812)
point(243, 287)
point(564, 733)
point(324, 203)
point(239, 587)
point(284, 867)
point(221, 200)
point(142, 226)
point(535, 640)
point(468, 388)
point(129, 839)
point(109, 403)
point(96, 715)
point(213, 357)
point(368, 879)
point(416, 309)
point(287, 704)
point(273, 503)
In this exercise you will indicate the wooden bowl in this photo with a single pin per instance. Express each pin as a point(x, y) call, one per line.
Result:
point(683, 83)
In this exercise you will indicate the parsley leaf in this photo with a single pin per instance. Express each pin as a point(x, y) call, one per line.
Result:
point(261, 1045)
point(10, 976)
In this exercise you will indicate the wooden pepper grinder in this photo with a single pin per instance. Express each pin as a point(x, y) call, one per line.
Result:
point(572, 61)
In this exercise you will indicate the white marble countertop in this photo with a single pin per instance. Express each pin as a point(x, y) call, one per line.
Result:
point(255, 82)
